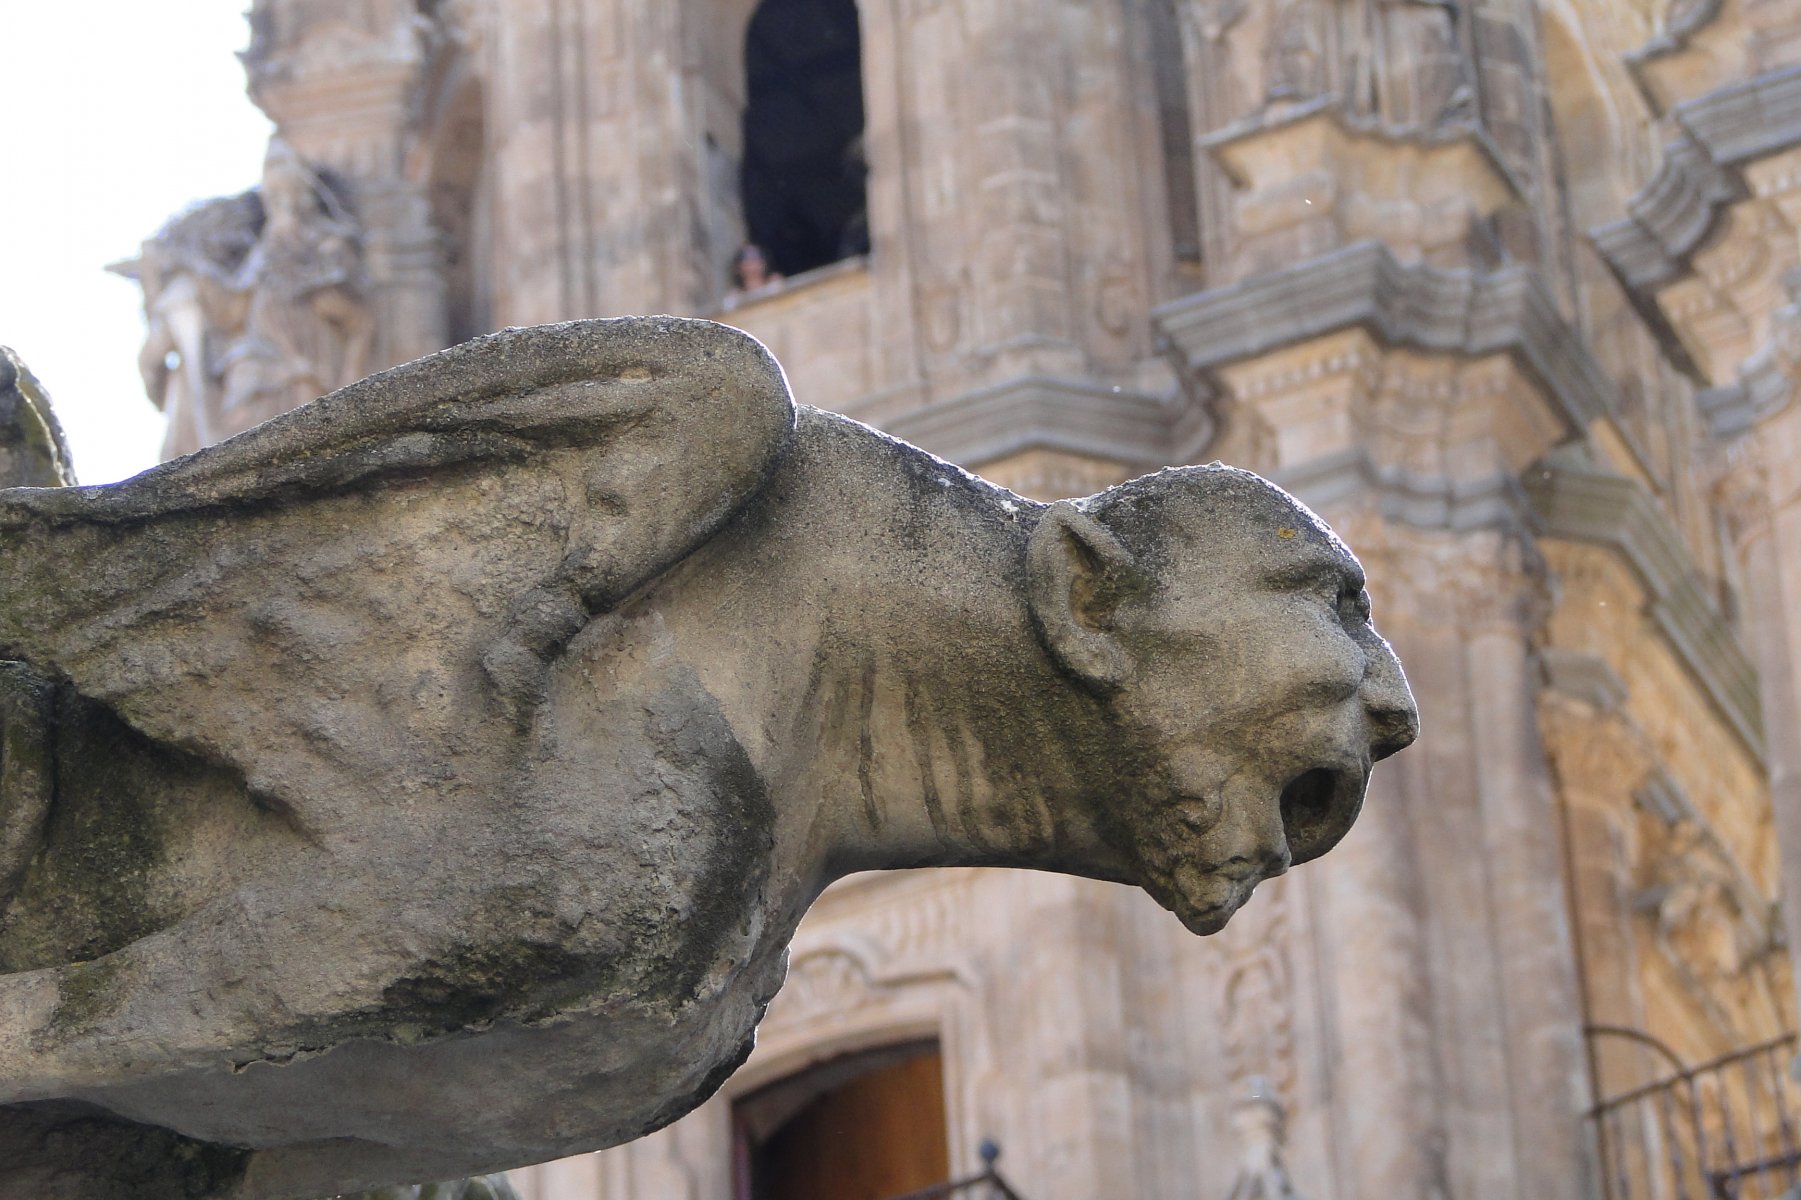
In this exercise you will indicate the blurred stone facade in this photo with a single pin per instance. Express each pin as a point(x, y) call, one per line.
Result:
point(1507, 290)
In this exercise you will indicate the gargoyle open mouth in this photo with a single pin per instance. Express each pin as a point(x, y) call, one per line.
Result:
point(1318, 807)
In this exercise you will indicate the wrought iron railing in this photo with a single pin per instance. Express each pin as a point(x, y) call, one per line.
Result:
point(986, 1186)
point(1728, 1129)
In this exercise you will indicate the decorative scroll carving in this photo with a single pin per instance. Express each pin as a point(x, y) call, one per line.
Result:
point(1712, 924)
point(830, 980)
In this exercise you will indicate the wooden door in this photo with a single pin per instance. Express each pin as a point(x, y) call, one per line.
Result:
point(880, 1134)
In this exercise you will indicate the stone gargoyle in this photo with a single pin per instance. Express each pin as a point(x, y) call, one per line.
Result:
point(429, 781)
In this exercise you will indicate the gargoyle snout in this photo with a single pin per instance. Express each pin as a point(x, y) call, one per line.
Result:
point(1392, 716)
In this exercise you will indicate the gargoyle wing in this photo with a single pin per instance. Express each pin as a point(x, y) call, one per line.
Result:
point(329, 601)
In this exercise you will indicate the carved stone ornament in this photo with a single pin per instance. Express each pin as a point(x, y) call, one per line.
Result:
point(253, 305)
point(482, 731)
point(1261, 1126)
point(306, 326)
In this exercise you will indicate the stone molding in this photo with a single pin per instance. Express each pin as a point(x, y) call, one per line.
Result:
point(1766, 381)
point(1579, 503)
point(1509, 311)
point(1316, 167)
point(1469, 144)
point(1666, 799)
point(1680, 24)
point(1586, 678)
point(1762, 390)
point(1701, 177)
point(1037, 412)
point(1423, 502)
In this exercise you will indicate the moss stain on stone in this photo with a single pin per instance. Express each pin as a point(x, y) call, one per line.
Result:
point(88, 993)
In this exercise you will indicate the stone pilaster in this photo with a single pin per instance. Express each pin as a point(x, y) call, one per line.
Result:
point(1072, 1109)
point(1600, 762)
point(1761, 485)
point(1499, 613)
point(588, 201)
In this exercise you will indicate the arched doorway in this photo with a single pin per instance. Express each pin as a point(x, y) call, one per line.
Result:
point(864, 1127)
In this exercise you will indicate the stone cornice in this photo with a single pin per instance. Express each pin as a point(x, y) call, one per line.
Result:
point(1762, 390)
point(1466, 145)
point(1700, 177)
point(1576, 502)
point(1582, 677)
point(1509, 311)
point(1037, 412)
point(1672, 39)
point(1493, 502)
point(1675, 35)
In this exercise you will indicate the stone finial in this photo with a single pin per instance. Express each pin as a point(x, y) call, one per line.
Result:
point(1261, 1127)
point(32, 450)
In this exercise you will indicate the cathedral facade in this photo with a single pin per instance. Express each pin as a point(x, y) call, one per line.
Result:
point(1505, 289)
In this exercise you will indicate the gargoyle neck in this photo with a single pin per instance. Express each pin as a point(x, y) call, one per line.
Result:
point(958, 743)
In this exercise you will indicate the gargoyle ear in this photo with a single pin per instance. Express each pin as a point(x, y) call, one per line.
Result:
point(1076, 575)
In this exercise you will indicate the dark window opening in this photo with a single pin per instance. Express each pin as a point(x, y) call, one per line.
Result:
point(803, 173)
point(1169, 72)
point(864, 1127)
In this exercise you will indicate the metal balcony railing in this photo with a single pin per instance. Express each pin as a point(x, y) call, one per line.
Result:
point(986, 1186)
point(1728, 1129)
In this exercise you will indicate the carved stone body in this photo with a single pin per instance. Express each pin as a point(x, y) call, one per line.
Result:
point(482, 732)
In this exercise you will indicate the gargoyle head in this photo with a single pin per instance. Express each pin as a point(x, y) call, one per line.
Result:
point(1227, 632)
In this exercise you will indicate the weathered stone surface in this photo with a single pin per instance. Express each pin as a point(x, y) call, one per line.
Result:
point(483, 730)
point(487, 1187)
point(32, 450)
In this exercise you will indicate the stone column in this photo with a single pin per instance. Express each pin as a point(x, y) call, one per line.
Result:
point(1373, 946)
point(1016, 214)
point(1600, 763)
point(1525, 862)
point(595, 163)
point(1057, 1018)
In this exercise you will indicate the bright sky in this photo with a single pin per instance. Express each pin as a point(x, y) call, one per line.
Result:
point(114, 115)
